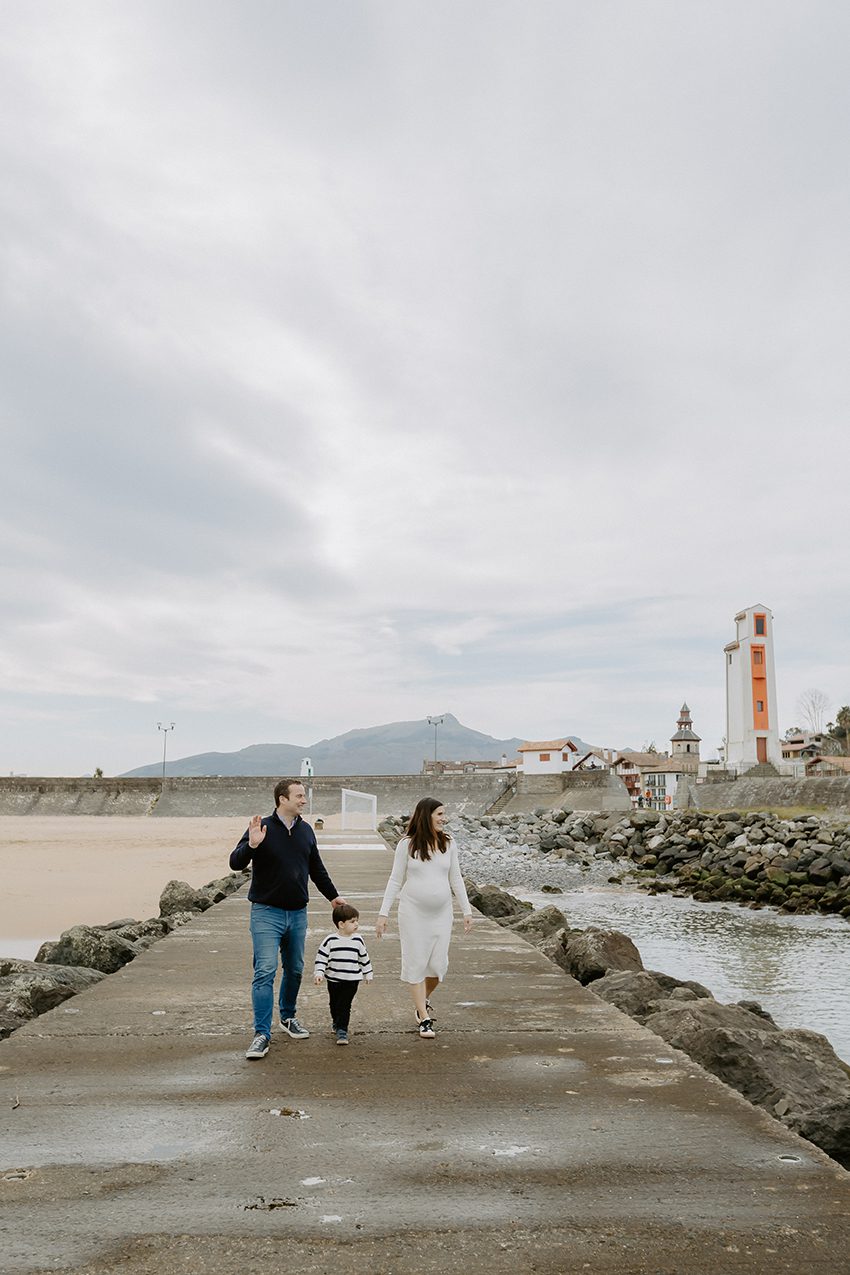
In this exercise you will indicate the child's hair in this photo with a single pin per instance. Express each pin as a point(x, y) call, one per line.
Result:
point(344, 912)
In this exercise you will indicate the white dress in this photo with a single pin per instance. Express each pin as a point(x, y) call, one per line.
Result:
point(424, 889)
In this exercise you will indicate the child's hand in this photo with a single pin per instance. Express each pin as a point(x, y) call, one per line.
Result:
point(317, 979)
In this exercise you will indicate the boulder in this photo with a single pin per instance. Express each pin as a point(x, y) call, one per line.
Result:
point(28, 988)
point(179, 896)
point(640, 993)
point(85, 945)
point(795, 1075)
point(591, 953)
point(496, 903)
point(539, 924)
point(555, 947)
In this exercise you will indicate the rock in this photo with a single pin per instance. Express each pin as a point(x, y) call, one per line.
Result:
point(591, 953)
point(30, 988)
point(639, 993)
point(85, 945)
point(539, 924)
point(555, 947)
point(795, 1075)
point(178, 896)
point(496, 903)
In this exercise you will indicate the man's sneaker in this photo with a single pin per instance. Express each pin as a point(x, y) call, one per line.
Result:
point(259, 1047)
point(293, 1028)
point(341, 1036)
point(426, 1029)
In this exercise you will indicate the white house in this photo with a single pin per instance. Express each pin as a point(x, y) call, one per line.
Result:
point(547, 756)
point(752, 736)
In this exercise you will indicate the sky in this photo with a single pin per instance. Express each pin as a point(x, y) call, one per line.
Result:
point(369, 360)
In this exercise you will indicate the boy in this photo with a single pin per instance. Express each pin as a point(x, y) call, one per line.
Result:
point(342, 959)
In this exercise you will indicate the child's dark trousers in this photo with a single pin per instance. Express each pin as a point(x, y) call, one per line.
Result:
point(340, 995)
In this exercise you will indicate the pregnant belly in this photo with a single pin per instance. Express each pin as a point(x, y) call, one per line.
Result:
point(424, 900)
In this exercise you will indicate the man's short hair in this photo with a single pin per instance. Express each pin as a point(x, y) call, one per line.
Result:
point(284, 787)
point(344, 912)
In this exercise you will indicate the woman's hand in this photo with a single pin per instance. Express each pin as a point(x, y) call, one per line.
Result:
point(467, 924)
point(380, 927)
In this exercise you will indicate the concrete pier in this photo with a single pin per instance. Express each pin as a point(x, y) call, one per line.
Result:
point(542, 1131)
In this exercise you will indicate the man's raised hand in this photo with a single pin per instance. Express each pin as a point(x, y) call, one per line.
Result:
point(256, 832)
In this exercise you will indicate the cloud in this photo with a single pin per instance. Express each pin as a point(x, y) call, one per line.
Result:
point(356, 366)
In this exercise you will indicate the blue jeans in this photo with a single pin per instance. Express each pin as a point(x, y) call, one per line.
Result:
point(276, 933)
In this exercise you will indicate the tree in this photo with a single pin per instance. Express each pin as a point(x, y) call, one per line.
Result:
point(98, 774)
point(812, 706)
point(840, 728)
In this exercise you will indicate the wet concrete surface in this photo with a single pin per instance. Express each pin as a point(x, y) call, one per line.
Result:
point(541, 1131)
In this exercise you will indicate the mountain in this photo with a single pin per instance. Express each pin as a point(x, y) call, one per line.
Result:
point(399, 748)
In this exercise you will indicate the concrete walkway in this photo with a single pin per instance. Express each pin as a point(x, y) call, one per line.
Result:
point(542, 1131)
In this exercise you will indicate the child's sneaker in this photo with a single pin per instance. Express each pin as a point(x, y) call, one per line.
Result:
point(341, 1036)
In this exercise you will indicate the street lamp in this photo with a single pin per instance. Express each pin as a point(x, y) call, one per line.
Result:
point(165, 730)
point(435, 722)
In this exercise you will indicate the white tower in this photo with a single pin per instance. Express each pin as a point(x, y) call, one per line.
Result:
point(752, 736)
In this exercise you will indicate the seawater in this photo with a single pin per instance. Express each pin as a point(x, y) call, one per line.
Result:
point(796, 967)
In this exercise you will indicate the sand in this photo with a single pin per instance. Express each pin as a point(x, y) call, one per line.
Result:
point(58, 872)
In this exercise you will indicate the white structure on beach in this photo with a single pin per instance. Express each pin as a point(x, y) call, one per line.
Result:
point(752, 737)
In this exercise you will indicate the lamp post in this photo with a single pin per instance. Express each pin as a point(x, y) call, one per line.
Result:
point(165, 730)
point(435, 722)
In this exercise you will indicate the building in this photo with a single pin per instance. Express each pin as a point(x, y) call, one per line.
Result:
point(660, 781)
point(547, 757)
point(829, 765)
point(685, 743)
point(752, 738)
point(628, 767)
point(803, 746)
point(595, 759)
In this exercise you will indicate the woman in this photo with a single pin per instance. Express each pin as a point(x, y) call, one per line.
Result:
point(425, 873)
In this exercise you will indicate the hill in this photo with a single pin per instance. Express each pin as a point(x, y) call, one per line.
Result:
point(397, 748)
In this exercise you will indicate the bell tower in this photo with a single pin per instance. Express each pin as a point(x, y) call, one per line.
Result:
point(686, 742)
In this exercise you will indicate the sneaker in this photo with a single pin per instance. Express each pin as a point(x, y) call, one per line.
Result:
point(294, 1029)
point(429, 1010)
point(426, 1029)
point(341, 1036)
point(259, 1047)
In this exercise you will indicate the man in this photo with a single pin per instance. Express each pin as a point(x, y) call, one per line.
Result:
point(284, 854)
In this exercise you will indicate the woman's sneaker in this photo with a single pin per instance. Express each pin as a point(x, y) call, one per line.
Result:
point(426, 1029)
point(259, 1047)
point(429, 1010)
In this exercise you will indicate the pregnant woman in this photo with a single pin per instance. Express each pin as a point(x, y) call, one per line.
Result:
point(425, 874)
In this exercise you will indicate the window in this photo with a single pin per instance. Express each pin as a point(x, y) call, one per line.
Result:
point(760, 629)
point(565, 756)
point(545, 756)
point(758, 656)
point(730, 659)
point(759, 705)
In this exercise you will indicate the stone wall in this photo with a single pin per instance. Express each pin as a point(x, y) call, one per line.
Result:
point(574, 790)
point(235, 796)
point(828, 793)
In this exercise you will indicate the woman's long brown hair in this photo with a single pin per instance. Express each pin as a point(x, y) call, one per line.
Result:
point(423, 839)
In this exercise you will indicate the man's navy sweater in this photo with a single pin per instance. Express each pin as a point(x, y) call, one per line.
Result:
point(283, 861)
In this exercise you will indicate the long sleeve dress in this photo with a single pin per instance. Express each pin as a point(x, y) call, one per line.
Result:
point(424, 889)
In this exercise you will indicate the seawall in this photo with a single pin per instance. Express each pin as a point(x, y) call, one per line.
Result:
point(829, 793)
point(238, 796)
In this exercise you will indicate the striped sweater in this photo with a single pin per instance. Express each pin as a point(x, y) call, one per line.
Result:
point(343, 959)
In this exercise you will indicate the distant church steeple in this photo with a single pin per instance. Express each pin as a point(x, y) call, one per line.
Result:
point(686, 742)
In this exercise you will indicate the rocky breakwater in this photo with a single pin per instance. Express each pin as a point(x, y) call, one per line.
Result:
point(798, 865)
point(85, 954)
point(794, 1075)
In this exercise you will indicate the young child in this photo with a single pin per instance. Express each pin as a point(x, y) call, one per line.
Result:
point(343, 961)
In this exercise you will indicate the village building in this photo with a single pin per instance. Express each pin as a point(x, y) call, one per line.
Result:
point(547, 756)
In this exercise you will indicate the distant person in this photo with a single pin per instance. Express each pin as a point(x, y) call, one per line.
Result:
point(283, 851)
point(425, 874)
point(343, 963)
point(318, 823)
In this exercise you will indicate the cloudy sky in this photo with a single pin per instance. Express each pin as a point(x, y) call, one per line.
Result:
point(365, 360)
